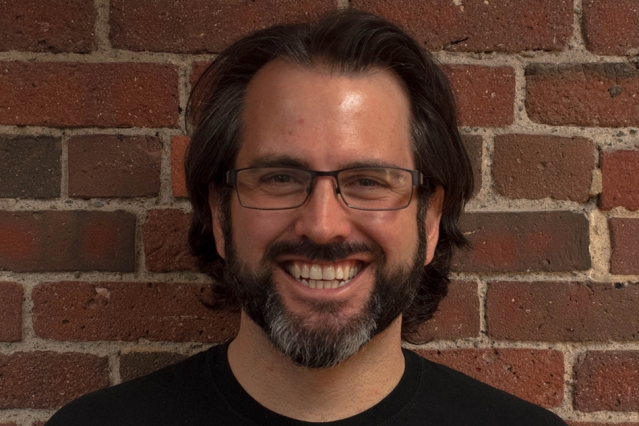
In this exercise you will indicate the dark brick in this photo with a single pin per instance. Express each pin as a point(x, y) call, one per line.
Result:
point(178, 151)
point(478, 25)
point(562, 311)
point(485, 95)
point(473, 145)
point(62, 94)
point(457, 316)
point(199, 26)
point(509, 242)
point(49, 379)
point(624, 235)
point(30, 167)
point(534, 375)
point(129, 311)
point(11, 312)
point(610, 26)
point(540, 166)
point(165, 241)
point(138, 364)
point(114, 166)
point(37, 26)
point(67, 241)
point(607, 380)
point(620, 179)
point(602, 95)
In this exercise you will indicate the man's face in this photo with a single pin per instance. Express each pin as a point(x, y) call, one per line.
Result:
point(322, 121)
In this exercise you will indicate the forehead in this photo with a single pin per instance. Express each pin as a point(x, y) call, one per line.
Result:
point(325, 120)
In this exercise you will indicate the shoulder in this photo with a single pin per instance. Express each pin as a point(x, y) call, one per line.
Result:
point(456, 395)
point(153, 399)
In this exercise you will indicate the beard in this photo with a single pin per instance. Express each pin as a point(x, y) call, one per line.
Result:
point(331, 338)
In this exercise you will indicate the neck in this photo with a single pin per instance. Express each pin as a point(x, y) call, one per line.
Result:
point(316, 395)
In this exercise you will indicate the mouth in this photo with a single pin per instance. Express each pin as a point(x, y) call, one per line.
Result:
point(322, 277)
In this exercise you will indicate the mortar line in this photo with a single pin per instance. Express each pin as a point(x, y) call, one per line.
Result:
point(64, 167)
point(102, 25)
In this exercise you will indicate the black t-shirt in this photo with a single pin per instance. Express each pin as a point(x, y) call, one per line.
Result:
point(203, 391)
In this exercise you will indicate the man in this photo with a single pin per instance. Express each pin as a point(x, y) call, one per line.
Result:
point(327, 175)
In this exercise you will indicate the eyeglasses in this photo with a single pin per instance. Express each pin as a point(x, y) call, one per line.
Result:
point(364, 188)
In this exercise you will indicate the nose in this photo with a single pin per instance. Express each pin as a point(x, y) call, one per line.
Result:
point(324, 218)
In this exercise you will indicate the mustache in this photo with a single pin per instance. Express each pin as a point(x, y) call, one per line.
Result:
point(330, 252)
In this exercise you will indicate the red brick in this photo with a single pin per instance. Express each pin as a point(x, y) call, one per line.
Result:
point(541, 166)
point(478, 25)
point(473, 145)
point(11, 312)
point(114, 166)
point(510, 242)
point(37, 26)
point(457, 316)
point(620, 179)
point(63, 94)
point(198, 26)
point(485, 95)
point(8, 424)
point(137, 364)
point(49, 379)
point(30, 167)
point(607, 380)
point(165, 241)
point(178, 151)
point(129, 311)
point(533, 375)
point(610, 26)
point(602, 95)
point(624, 234)
point(562, 311)
point(197, 70)
point(67, 241)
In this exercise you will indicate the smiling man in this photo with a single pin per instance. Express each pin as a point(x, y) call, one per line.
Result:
point(326, 174)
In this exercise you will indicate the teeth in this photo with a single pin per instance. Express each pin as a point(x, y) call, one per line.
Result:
point(306, 273)
point(316, 272)
point(312, 283)
point(296, 271)
point(339, 273)
point(328, 273)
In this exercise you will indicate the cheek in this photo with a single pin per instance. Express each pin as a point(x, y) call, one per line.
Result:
point(395, 231)
point(254, 230)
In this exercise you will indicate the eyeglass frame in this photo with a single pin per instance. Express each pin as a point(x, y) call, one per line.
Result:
point(418, 179)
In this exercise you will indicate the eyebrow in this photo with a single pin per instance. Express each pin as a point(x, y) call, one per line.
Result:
point(279, 160)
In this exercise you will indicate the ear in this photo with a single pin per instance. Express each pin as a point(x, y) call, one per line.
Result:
point(214, 205)
point(433, 219)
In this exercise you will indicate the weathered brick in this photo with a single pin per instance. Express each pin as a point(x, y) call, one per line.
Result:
point(610, 26)
point(508, 242)
point(624, 235)
point(129, 311)
point(534, 375)
point(197, 69)
point(114, 166)
point(478, 25)
point(61, 94)
point(49, 379)
point(10, 312)
point(603, 94)
point(485, 95)
point(473, 145)
point(562, 311)
point(165, 241)
point(540, 166)
point(30, 167)
point(620, 179)
point(37, 26)
point(178, 151)
point(8, 424)
point(607, 380)
point(138, 364)
point(457, 316)
point(67, 241)
point(199, 26)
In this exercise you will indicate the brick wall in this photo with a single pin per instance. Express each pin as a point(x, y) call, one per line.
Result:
point(96, 282)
